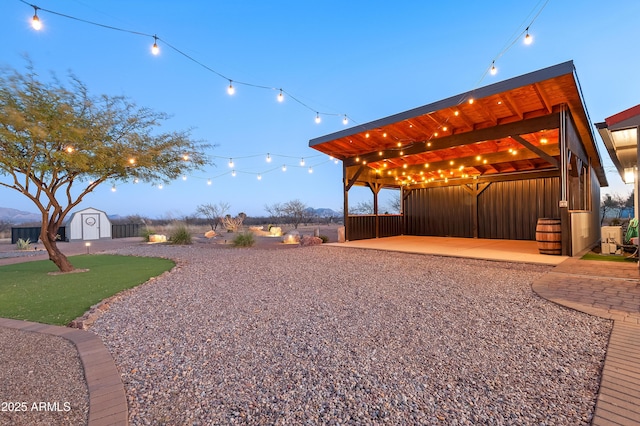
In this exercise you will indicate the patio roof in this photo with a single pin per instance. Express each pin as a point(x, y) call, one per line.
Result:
point(506, 127)
point(620, 136)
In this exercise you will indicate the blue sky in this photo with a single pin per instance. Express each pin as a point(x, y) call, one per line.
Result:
point(366, 59)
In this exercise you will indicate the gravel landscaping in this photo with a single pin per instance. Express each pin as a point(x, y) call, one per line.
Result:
point(345, 336)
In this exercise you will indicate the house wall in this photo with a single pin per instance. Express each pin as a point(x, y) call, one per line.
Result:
point(585, 225)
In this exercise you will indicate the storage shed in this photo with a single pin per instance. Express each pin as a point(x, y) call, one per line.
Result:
point(88, 224)
point(488, 163)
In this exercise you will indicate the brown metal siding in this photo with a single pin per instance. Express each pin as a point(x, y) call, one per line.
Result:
point(510, 210)
point(506, 210)
point(442, 211)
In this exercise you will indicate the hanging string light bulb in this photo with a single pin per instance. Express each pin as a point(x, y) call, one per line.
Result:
point(318, 119)
point(36, 24)
point(259, 176)
point(184, 177)
point(345, 120)
point(155, 49)
point(233, 173)
point(268, 158)
point(527, 38)
point(113, 188)
point(231, 90)
point(230, 162)
point(209, 182)
point(284, 167)
point(160, 186)
point(302, 161)
point(310, 170)
point(494, 70)
point(280, 96)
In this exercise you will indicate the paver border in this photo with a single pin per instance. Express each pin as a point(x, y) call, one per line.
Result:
point(107, 398)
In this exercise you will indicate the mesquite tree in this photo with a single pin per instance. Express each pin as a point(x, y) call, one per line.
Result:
point(58, 143)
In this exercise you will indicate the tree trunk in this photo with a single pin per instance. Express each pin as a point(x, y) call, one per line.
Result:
point(48, 238)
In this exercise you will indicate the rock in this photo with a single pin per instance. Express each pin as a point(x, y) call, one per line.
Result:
point(210, 234)
point(157, 238)
point(308, 240)
point(291, 237)
point(275, 231)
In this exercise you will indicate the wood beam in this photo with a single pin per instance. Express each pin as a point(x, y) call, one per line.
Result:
point(550, 121)
point(537, 150)
point(355, 177)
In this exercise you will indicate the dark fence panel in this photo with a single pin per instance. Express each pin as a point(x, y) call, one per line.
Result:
point(33, 233)
point(125, 230)
point(361, 227)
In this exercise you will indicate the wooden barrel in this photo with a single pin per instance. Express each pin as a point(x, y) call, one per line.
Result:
point(549, 236)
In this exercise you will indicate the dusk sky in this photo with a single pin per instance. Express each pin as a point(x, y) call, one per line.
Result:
point(362, 59)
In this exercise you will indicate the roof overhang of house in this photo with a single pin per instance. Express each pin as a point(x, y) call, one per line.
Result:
point(620, 136)
point(503, 128)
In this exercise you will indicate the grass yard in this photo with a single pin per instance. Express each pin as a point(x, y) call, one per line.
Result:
point(609, 258)
point(28, 292)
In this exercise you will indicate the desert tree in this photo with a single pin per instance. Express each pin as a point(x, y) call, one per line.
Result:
point(213, 213)
point(58, 143)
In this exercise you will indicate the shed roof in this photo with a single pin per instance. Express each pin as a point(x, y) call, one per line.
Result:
point(470, 134)
point(620, 136)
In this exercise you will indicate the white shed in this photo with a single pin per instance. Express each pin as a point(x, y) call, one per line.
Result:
point(88, 224)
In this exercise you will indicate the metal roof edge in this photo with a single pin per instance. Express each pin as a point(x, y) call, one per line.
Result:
point(482, 92)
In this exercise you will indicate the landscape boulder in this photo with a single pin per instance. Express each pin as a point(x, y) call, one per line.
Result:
point(291, 237)
point(308, 240)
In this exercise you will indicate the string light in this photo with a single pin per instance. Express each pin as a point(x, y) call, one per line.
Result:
point(494, 70)
point(113, 188)
point(259, 176)
point(230, 162)
point(184, 177)
point(318, 119)
point(302, 161)
point(268, 158)
point(527, 38)
point(231, 90)
point(310, 170)
point(345, 120)
point(280, 96)
point(160, 186)
point(155, 49)
point(233, 173)
point(135, 180)
point(209, 182)
point(284, 167)
point(36, 24)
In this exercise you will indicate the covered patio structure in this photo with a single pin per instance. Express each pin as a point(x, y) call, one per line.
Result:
point(488, 163)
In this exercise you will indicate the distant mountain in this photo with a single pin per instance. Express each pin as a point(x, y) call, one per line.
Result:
point(18, 216)
point(323, 212)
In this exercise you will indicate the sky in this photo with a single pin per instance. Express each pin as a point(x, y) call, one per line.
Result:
point(363, 59)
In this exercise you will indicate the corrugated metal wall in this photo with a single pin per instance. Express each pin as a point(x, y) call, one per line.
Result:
point(510, 210)
point(441, 211)
point(506, 210)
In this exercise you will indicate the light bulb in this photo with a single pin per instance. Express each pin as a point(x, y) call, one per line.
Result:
point(36, 24)
point(527, 38)
point(230, 162)
point(259, 177)
point(155, 49)
point(280, 96)
point(318, 119)
point(135, 180)
point(233, 173)
point(345, 120)
point(113, 188)
point(302, 161)
point(209, 182)
point(184, 177)
point(268, 158)
point(160, 186)
point(494, 70)
point(231, 90)
point(284, 167)
point(310, 170)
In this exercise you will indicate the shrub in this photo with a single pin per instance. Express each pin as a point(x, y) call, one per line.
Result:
point(23, 244)
point(245, 239)
point(180, 234)
point(324, 238)
point(145, 232)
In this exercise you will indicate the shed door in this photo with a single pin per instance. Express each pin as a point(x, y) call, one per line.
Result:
point(90, 226)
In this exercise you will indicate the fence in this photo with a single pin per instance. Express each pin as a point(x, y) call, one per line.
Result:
point(33, 232)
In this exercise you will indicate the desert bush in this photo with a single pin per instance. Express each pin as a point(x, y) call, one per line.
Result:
point(23, 244)
point(245, 239)
point(180, 234)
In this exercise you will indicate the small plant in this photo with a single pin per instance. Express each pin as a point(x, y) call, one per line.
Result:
point(146, 232)
point(324, 238)
point(180, 234)
point(245, 239)
point(23, 244)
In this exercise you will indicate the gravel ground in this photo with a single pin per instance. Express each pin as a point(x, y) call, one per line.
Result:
point(27, 378)
point(345, 336)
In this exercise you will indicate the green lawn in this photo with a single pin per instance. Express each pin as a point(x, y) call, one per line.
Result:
point(609, 258)
point(28, 292)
